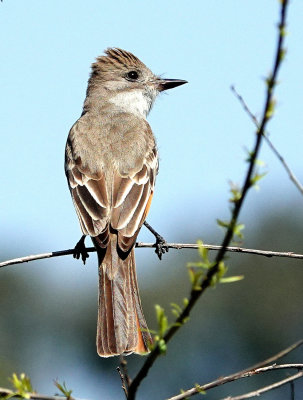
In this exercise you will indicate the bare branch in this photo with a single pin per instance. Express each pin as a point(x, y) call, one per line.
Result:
point(258, 392)
point(42, 256)
point(245, 106)
point(176, 246)
point(253, 370)
point(235, 377)
point(290, 173)
point(232, 249)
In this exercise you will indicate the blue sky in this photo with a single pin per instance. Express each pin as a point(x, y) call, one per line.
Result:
point(47, 48)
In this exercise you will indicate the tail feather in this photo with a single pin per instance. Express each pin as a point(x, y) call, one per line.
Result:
point(145, 338)
point(122, 328)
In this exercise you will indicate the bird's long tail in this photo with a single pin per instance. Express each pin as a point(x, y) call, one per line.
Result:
point(122, 328)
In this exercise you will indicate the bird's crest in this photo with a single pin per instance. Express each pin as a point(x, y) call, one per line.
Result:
point(116, 58)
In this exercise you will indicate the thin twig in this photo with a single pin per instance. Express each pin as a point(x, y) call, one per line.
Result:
point(124, 385)
point(290, 173)
point(123, 365)
point(258, 392)
point(176, 246)
point(233, 378)
point(245, 106)
point(252, 370)
point(196, 294)
point(124, 376)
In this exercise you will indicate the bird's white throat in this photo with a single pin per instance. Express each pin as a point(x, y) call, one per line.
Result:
point(134, 101)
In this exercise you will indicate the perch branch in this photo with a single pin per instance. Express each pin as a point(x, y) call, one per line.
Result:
point(177, 246)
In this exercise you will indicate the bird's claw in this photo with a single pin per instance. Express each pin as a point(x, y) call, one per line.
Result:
point(161, 246)
point(80, 250)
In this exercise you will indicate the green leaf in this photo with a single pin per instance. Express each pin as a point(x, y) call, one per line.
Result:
point(197, 265)
point(237, 230)
point(222, 269)
point(282, 54)
point(235, 192)
point(250, 155)
point(175, 313)
point(191, 273)
point(63, 389)
point(162, 320)
point(259, 163)
point(270, 109)
point(256, 178)
point(203, 252)
point(22, 385)
point(176, 309)
point(230, 279)
point(162, 346)
point(224, 224)
point(199, 389)
point(195, 276)
point(203, 265)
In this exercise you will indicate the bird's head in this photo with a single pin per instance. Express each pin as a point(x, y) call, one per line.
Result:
point(126, 81)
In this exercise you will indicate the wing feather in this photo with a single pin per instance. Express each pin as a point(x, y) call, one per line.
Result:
point(123, 214)
point(135, 220)
point(142, 176)
point(84, 218)
point(121, 188)
point(97, 189)
point(92, 207)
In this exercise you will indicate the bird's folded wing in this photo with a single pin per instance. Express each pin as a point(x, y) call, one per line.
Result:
point(122, 207)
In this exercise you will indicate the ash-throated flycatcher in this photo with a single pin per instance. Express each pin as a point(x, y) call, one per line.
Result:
point(111, 164)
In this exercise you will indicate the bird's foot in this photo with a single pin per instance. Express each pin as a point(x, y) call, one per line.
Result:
point(80, 250)
point(161, 244)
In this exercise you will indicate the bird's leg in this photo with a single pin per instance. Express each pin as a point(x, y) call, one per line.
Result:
point(80, 250)
point(161, 245)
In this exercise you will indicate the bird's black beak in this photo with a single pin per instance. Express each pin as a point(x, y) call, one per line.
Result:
point(165, 84)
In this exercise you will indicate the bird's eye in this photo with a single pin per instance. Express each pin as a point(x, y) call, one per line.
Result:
point(132, 75)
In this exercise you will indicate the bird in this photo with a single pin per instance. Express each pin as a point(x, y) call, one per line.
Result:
point(111, 163)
